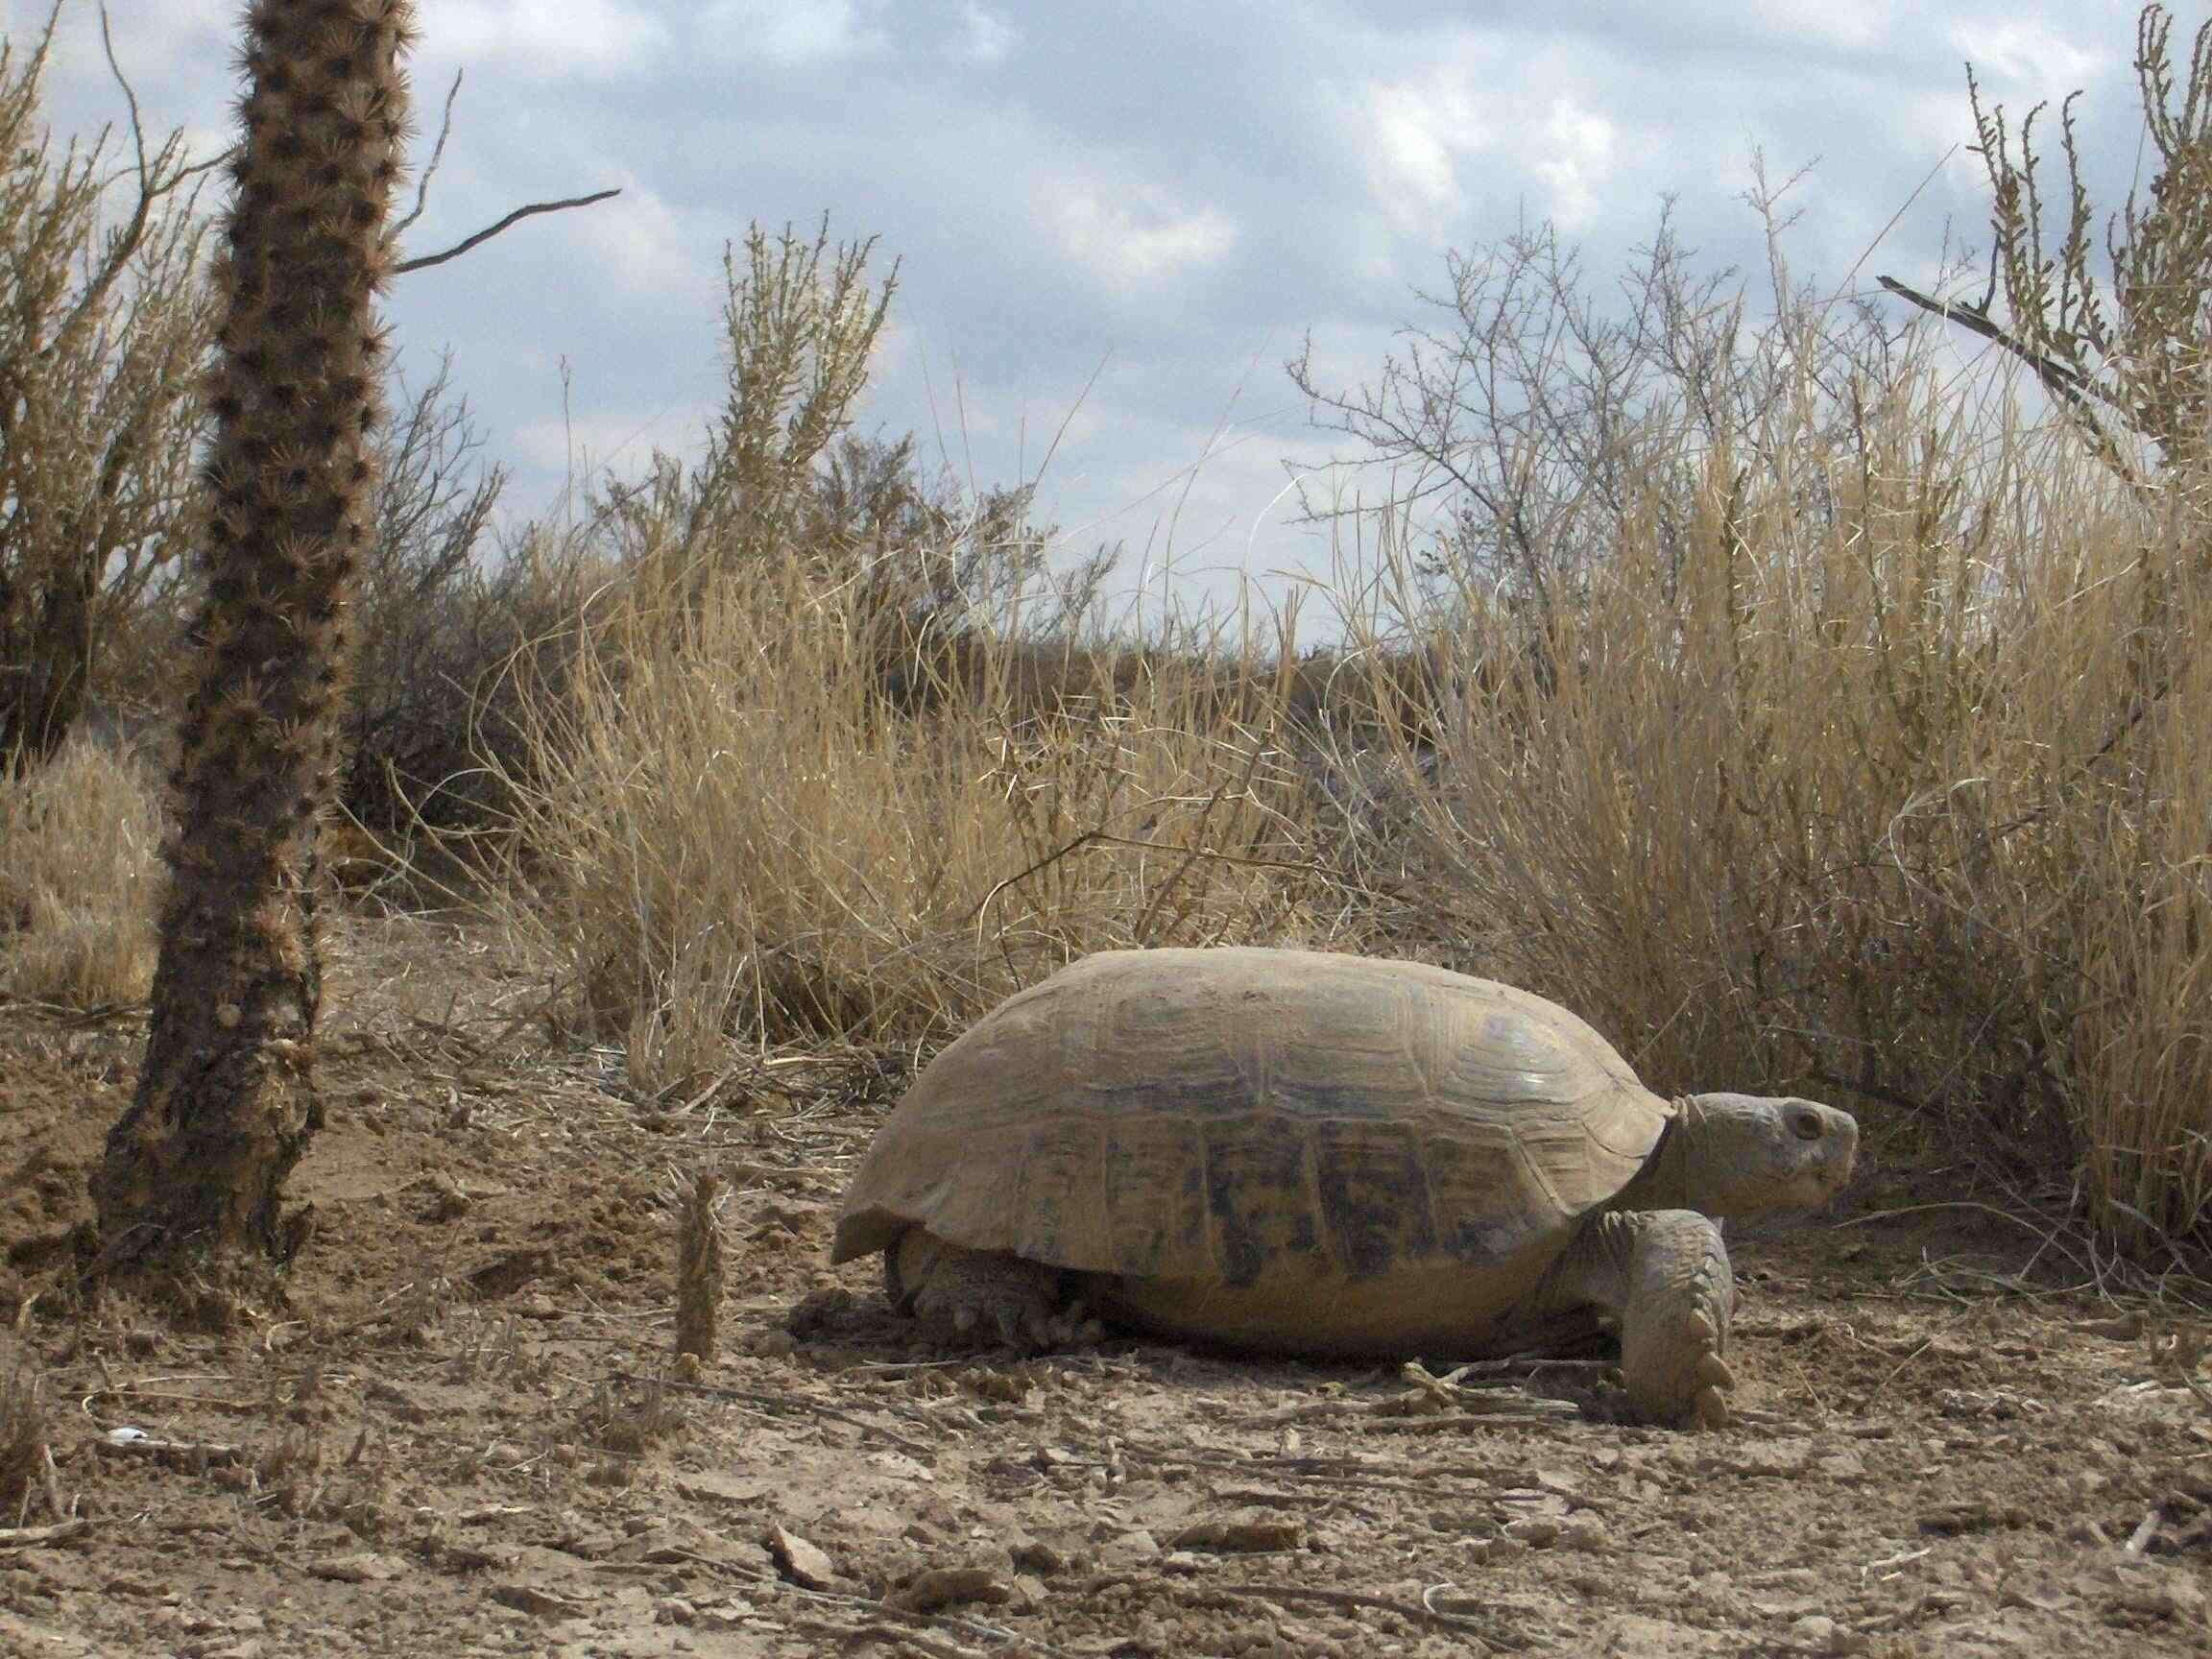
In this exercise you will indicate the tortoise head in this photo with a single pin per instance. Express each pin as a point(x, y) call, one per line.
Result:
point(1740, 1153)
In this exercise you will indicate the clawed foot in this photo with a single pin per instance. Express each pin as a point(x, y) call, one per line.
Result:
point(975, 1296)
point(1680, 1377)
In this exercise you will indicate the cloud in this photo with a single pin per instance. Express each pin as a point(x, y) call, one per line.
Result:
point(1419, 135)
point(1863, 23)
point(637, 240)
point(1576, 158)
point(985, 34)
point(555, 39)
point(1130, 237)
point(791, 32)
point(1417, 130)
point(2030, 52)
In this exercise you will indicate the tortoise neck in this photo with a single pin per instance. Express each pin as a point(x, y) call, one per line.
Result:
point(1663, 1181)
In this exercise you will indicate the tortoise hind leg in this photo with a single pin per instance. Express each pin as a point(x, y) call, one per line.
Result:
point(982, 1296)
point(1665, 1274)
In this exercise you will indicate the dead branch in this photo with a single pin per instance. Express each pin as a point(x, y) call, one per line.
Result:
point(2067, 384)
point(488, 232)
point(36, 1537)
point(430, 167)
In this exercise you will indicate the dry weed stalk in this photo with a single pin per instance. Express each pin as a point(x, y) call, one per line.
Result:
point(698, 1267)
point(23, 1442)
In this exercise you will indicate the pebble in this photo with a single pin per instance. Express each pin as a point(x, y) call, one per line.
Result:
point(806, 1564)
point(1584, 1531)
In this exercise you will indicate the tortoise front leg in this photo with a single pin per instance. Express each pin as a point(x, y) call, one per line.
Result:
point(983, 1295)
point(1664, 1273)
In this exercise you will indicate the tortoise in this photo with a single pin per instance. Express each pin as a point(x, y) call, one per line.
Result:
point(1320, 1154)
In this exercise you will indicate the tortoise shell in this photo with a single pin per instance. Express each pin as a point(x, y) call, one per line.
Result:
point(1257, 1137)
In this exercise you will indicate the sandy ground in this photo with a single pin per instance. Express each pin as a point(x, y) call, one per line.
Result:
point(464, 1436)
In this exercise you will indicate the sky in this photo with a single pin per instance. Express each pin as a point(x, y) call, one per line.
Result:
point(1114, 223)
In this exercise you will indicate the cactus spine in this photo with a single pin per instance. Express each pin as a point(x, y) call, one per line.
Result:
point(226, 1100)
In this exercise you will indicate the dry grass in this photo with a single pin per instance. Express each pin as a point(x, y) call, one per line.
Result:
point(79, 872)
point(23, 1442)
point(736, 830)
point(1877, 758)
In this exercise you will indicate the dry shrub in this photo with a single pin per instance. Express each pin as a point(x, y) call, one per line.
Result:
point(79, 871)
point(1877, 759)
point(23, 1441)
point(738, 830)
point(102, 336)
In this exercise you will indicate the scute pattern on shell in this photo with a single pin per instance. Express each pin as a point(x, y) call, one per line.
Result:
point(1270, 1120)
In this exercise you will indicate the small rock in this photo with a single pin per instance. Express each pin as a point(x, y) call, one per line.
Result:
point(1034, 1555)
point(1818, 1633)
point(1842, 1466)
point(674, 1610)
point(1536, 1531)
point(1972, 1515)
point(542, 1603)
point(1128, 1548)
point(1584, 1531)
point(946, 1586)
point(364, 1567)
point(803, 1563)
point(1242, 1535)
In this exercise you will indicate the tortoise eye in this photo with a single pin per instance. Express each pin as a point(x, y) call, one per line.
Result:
point(1806, 1125)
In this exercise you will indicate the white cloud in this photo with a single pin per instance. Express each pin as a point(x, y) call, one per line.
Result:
point(553, 39)
point(1576, 158)
point(2029, 52)
point(1822, 22)
point(1418, 129)
point(637, 240)
point(986, 35)
point(1417, 135)
point(789, 32)
point(1130, 237)
point(150, 41)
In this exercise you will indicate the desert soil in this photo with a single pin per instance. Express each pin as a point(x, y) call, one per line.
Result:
point(463, 1434)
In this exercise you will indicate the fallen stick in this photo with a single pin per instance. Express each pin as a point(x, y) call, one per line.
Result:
point(36, 1537)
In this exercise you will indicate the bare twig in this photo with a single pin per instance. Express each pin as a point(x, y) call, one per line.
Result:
point(1484, 1631)
point(490, 231)
point(1103, 838)
point(34, 1537)
point(159, 176)
point(178, 1454)
point(429, 167)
